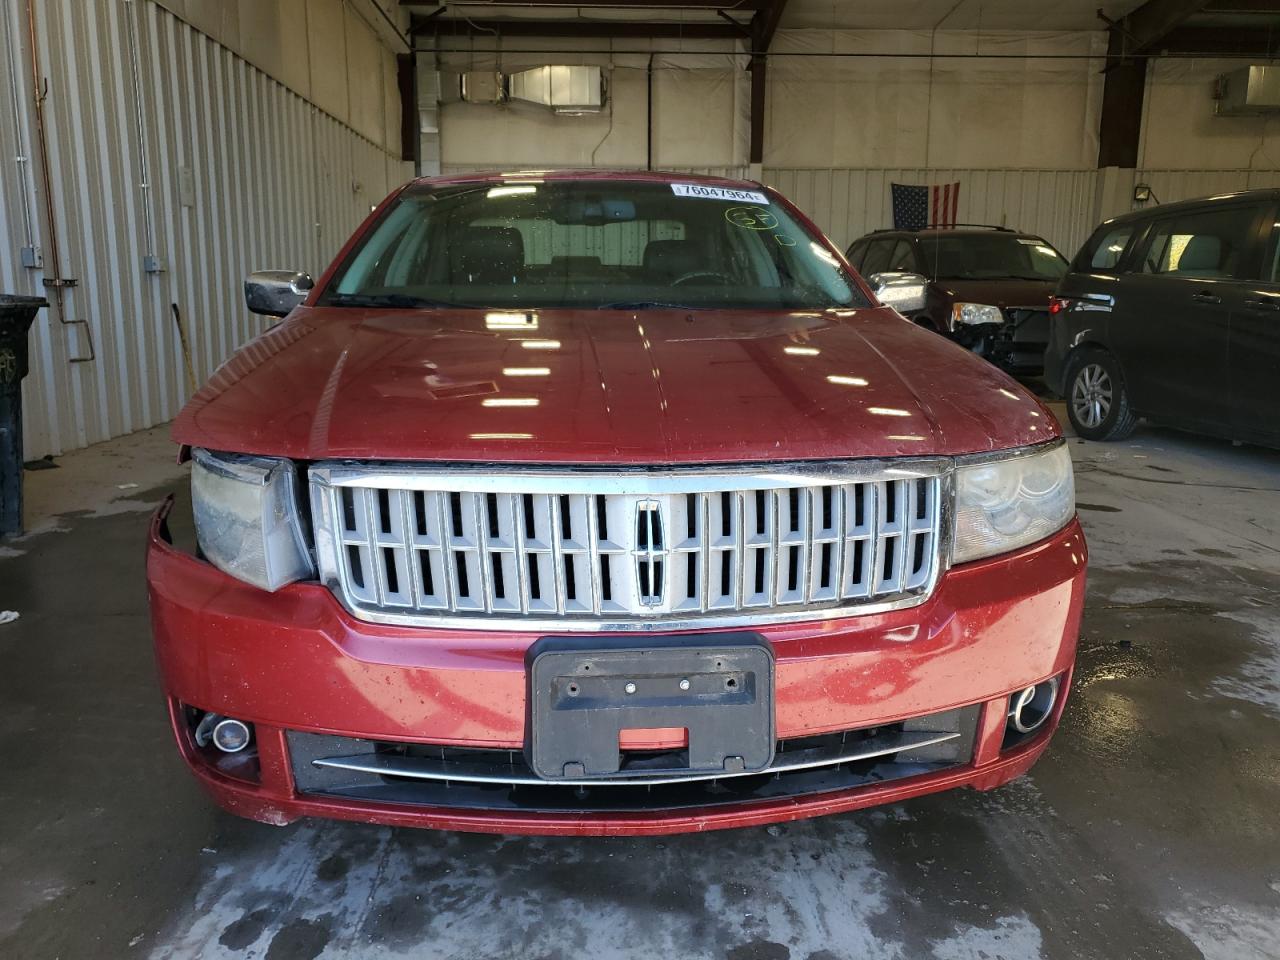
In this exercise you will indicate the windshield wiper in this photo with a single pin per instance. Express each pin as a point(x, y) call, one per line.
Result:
point(395, 300)
point(648, 305)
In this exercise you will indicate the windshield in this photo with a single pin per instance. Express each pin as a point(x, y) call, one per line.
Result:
point(590, 244)
point(991, 257)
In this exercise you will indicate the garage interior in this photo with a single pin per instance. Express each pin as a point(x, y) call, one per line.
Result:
point(154, 152)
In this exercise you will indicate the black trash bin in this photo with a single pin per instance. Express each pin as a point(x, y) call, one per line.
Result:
point(16, 316)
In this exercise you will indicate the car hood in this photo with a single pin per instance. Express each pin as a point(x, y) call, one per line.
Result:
point(592, 386)
point(1000, 293)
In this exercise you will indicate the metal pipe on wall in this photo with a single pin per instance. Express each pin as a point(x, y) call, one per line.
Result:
point(886, 55)
point(57, 282)
point(648, 144)
point(149, 260)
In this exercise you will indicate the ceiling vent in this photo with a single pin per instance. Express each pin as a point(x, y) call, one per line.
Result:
point(1248, 92)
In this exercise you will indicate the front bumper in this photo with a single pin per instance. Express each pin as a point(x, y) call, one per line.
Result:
point(296, 663)
point(1017, 345)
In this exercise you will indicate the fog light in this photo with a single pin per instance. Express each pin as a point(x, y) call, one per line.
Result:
point(230, 736)
point(1030, 708)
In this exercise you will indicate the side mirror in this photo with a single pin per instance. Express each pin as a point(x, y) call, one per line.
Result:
point(905, 292)
point(273, 293)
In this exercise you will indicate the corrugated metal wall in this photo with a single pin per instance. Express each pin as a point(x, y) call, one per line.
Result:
point(161, 143)
point(1171, 185)
point(1056, 204)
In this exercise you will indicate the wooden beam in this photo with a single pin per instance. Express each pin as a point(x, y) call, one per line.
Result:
point(529, 27)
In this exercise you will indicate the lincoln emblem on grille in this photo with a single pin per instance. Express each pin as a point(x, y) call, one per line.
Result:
point(650, 553)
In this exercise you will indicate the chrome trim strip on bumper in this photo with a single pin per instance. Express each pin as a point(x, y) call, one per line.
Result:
point(425, 768)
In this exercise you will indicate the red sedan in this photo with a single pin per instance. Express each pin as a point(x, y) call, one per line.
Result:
point(609, 503)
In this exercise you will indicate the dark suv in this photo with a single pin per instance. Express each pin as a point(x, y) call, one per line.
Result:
point(1173, 313)
point(988, 288)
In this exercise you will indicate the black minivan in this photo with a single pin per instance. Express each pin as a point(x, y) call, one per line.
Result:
point(1173, 314)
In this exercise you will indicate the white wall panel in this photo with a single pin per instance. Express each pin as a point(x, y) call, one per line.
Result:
point(993, 99)
point(1180, 130)
point(160, 142)
point(1056, 204)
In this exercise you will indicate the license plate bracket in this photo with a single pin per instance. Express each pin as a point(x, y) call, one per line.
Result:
point(584, 691)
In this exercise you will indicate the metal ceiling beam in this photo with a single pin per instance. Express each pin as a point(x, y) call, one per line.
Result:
point(1124, 88)
point(730, 5)
point(742, 28)
point(1243, 6)
point(763, 26)
point(1249, 43)
point(1144, 27)
point(574, 29)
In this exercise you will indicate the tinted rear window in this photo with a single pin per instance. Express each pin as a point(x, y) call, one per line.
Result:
point(877, 260)
point(991, 256)
point(1103, 251)
point(1212, 243)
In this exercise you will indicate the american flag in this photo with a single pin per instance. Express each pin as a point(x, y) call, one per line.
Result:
point(916, 207)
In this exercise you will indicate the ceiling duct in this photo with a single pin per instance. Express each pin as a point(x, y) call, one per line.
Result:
point(429, 97)
point(1248, 92)
point(481, 86)
point(566, 90)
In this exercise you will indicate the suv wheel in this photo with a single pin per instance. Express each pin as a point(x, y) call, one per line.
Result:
point(1097, 400)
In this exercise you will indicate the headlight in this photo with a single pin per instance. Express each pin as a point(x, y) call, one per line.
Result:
point(1002, 505)
point(247, 522)
point(973, 314)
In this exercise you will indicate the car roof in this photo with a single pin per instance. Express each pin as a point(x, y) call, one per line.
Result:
point(930, 232)
point(640, 176)
point(1266, 193)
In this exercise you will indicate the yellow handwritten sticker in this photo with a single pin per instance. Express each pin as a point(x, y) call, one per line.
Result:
point(751, 218)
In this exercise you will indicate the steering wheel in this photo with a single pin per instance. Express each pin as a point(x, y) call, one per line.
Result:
point(695, 274)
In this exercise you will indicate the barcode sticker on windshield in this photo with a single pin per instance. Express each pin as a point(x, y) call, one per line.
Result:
point(718, 193)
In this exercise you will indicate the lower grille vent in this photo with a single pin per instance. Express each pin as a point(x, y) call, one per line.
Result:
point(384, 771)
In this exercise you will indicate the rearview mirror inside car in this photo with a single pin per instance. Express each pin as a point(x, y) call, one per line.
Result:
point(594, 211)
point(273, 293)
point(905, 292)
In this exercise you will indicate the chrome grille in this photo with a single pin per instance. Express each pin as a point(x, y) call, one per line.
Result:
point(627, 550)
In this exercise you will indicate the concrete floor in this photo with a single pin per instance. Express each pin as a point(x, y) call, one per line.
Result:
point(1150, 829)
